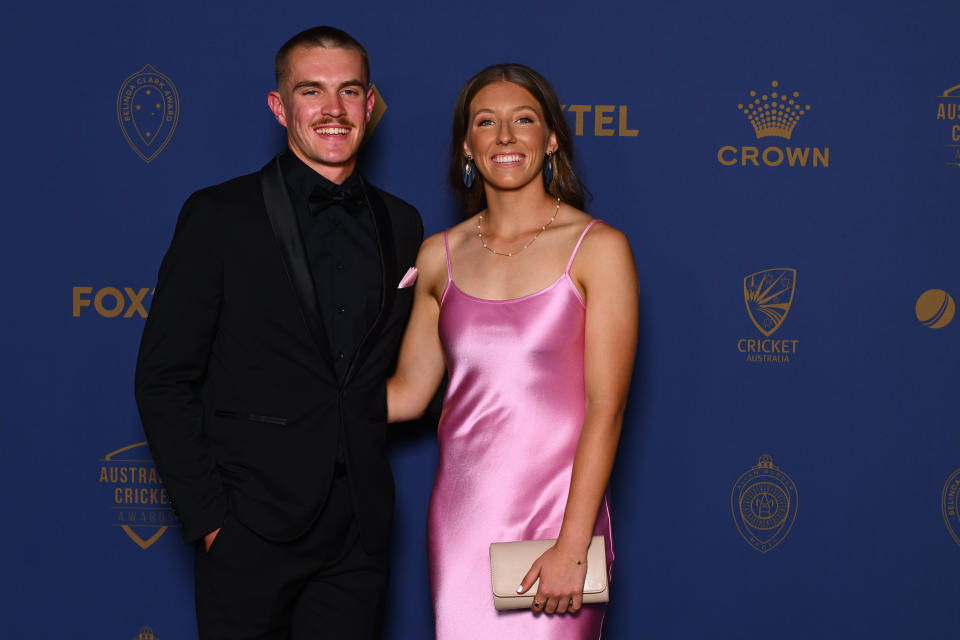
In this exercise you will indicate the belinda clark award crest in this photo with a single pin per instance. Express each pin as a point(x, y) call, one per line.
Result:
point(148, 107)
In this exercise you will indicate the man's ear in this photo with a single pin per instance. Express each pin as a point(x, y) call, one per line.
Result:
point(275, 102)
point(371, 100)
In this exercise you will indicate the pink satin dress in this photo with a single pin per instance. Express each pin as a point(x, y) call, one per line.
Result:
point(511, 419)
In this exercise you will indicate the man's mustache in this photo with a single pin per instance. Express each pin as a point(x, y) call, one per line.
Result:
point(346, 122)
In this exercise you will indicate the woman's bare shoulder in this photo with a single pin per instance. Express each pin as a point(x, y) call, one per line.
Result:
point(432, 252)
point(602, 235)
point(605, 249)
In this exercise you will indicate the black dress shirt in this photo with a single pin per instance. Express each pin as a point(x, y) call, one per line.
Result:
point(341, 247)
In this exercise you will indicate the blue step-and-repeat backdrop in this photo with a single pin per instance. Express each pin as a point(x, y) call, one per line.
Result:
point(788, 175)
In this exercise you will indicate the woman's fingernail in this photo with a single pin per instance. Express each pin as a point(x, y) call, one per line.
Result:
point(520, 589)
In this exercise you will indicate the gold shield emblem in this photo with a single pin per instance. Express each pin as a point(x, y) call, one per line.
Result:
point(948, 111)
point(768, 295)
point(148, 108)
point(139, 504)
point(948, 505)
point(764, 505)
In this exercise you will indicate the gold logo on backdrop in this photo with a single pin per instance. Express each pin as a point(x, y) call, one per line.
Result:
point(148, 107)
point(935, 308)
point(139, 504)
point(764, 505)
point(773, 114)
point(948, 505)
point(146, 633)
point(948, 109)
point(608, 120)
point(379, 108)
point(112, 302)
point(768, 295)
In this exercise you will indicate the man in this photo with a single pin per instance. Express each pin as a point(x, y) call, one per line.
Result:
point(261, 374)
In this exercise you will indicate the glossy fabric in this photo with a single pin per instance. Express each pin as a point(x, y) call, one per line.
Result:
point(511, 419)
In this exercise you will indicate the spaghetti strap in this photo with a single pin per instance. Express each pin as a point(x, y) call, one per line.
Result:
point(446, 246)
point(575, 249)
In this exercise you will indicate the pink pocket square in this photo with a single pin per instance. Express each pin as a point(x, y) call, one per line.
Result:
point(408, 278)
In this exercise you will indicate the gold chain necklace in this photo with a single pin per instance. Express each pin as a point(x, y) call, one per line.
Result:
point(510, 254)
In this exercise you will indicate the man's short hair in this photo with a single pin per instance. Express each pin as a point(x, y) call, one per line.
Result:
point(324, 37)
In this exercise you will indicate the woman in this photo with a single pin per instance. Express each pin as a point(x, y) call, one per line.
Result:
point(539, 365)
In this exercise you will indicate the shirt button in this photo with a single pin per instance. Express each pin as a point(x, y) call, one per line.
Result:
point(340, 309)
point(340, 355)
point(339, 266)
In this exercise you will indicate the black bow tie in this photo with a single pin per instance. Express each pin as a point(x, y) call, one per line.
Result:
point(350, 198)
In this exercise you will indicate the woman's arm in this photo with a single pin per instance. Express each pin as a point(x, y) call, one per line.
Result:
point(421, 365)
point(606, 271)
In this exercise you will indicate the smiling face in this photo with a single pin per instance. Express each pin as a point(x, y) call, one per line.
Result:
point(325, 105)
point(506, 136)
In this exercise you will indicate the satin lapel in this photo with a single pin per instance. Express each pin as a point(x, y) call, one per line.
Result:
point(286, 230)
point(388, 271)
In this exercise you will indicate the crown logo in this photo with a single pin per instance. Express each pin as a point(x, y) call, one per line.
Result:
point(774, 115)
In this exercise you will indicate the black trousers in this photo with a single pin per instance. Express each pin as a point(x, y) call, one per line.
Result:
point(322, 585)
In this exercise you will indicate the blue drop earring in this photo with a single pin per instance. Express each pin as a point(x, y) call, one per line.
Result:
point(548, 169)
point(469, 172)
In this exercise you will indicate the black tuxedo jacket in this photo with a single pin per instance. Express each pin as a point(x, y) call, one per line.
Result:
point(235, 379)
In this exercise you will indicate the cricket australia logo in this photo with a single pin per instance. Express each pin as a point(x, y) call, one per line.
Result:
point(768, 295)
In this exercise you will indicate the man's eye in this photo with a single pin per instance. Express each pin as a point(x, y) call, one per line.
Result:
point(310, 92)
point(350, 92)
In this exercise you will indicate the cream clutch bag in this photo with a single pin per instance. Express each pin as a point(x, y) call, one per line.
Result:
point(510, 561)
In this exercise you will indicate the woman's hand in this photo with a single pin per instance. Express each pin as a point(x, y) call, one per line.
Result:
point(562, 575)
